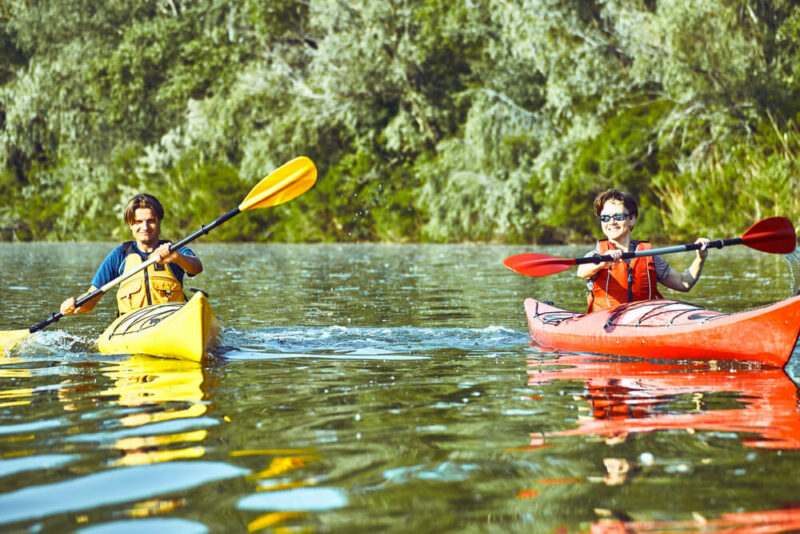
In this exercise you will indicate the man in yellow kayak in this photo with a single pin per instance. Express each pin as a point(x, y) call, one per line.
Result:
point(614, 282)
point(159, 282)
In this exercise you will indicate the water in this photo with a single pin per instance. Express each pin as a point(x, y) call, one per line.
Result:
point(384, 388)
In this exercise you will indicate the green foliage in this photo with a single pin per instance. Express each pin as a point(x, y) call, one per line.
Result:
point(12, 226)
point(376, 205)
point(195, 191)
point(625, 155)
point(735, 187)
point(428, 119)
point(474, 187)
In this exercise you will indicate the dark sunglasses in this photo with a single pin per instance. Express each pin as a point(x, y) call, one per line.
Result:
point(617, 217)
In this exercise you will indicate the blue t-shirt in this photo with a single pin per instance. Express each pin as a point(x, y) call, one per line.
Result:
point(113, 265)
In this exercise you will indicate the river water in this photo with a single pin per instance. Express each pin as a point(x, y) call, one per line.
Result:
point(384, 388)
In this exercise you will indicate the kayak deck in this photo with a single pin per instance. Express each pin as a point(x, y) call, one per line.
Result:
point(174, 330)
point(671, 329)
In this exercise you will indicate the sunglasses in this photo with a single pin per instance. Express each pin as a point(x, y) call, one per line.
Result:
point(617, 217)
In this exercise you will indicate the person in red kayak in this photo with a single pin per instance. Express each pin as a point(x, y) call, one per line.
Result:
point(614, 282)
point(159, 282)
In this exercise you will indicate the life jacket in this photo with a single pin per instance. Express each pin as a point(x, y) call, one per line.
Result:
point(155, 284)
point(623, 281)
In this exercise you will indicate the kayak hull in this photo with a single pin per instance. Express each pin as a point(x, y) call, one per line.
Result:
point(186, 331)
point(670, 329)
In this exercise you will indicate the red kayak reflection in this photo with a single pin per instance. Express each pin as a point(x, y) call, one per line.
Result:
point(627, 397)
point(787, 520)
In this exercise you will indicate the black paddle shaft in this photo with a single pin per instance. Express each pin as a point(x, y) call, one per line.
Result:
point(719, 243)
point(172, 248)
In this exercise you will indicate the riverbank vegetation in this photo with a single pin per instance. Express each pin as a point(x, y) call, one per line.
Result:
point(429, 120)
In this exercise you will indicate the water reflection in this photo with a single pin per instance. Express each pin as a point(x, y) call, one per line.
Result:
point(171, 395)
point(282, 497)
point(137, 484)
point(12, 368)
point(771, 521)
point(150, 413)
point(627, 397)
point(620, 399)
point(374, 388)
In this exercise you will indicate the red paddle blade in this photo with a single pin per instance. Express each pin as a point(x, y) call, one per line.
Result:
point(775, 235)
point(537, 264)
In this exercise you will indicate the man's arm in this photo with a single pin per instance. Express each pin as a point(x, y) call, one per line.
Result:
point(191, 264)
point(68, 306)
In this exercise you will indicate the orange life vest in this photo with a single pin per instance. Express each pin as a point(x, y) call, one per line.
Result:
point(624, 282)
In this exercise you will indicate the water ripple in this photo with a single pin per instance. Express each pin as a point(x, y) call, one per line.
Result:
point(35, 463)
point(368, 343)
point(92, 491)
point(295, 500)
point(136, 526)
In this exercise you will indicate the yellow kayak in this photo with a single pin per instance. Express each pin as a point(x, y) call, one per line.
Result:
point(186, 331)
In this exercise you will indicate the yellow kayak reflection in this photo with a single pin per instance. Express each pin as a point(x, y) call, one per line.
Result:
point(282, 461)
point(170, 390)
point(14, 396)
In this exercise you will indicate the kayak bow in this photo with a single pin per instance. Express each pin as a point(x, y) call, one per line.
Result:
point(186, 331)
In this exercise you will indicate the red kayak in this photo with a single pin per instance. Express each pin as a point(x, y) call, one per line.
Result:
point(670, 329)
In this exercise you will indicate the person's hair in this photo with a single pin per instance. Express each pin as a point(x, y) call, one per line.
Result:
point(615, 194)
point(143, 200)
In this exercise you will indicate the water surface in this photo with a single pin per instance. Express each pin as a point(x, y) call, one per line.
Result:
point(385, 388)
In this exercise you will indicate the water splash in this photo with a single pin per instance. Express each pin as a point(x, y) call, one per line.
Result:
point(366, 343)
point(48, 343)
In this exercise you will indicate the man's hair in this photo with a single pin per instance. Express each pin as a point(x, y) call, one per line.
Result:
point(143, 200)
point(615, 194)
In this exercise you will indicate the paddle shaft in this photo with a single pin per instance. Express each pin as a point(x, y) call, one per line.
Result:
point(719, 243)
point(172, 248)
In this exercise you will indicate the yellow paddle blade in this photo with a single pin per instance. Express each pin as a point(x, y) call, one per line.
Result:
point(10, 338)
point(281, 185)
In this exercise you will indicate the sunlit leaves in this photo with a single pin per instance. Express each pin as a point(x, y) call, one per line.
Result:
point(428, 119)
